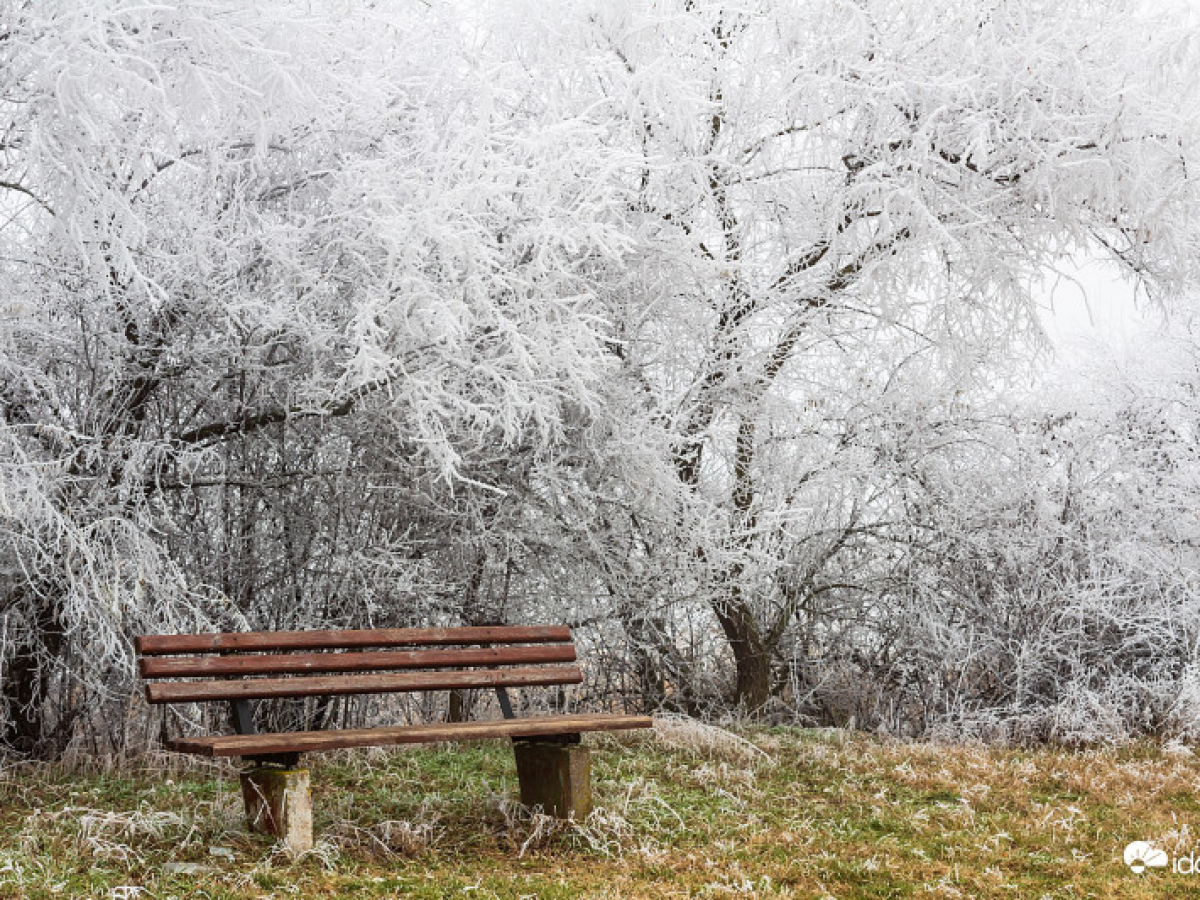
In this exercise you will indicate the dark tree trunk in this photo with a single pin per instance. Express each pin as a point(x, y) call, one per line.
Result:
point(27, 679)
point(753, 677)
point(751, 655)
point(478, 613)
point(457, 709)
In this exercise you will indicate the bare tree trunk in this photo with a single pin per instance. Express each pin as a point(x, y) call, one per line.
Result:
point(457, 710)
point(476, 613)
point(751, 655)
point(26, 681)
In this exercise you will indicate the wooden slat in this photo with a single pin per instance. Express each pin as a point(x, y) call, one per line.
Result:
point(158, 644)
point(330, 685)
point(314, 741)
point(354, 661)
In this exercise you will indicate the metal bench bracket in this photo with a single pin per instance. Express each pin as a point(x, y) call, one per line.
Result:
point(243, 723)
point(505, 703)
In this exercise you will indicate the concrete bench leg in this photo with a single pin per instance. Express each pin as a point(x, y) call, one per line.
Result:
point(555, 776)
point(278, 802)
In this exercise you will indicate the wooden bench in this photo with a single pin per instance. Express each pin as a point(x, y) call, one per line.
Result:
point(553, 769)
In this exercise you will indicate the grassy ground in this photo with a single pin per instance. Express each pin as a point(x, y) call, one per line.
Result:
point(688, 811)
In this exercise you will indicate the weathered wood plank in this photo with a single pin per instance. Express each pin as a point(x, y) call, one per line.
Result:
point(158, 644)
point(354, 661)
point(315, 741)
point(332, 685)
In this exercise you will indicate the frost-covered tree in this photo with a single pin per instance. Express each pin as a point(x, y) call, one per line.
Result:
point(819, 184)
point(265, 269)
point(1048, 589)
point(636, 314)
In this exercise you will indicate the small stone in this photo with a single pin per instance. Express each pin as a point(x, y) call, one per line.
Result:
point(221, 853)
point(186, 868)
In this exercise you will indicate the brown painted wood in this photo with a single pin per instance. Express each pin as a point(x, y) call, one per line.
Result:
point(331, 685)
point(314, 741)
point(158, 644)
point(353, 661)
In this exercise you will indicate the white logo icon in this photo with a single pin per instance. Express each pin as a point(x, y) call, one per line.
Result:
point(1140, 855)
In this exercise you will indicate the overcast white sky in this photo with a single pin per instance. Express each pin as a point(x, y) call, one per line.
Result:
point(1092, 310)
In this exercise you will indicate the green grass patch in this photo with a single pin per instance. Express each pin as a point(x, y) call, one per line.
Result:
point(686, 812)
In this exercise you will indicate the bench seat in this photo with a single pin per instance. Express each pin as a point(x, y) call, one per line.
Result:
point(314, 741)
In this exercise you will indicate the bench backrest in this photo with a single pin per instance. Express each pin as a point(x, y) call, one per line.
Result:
point(247, 665)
